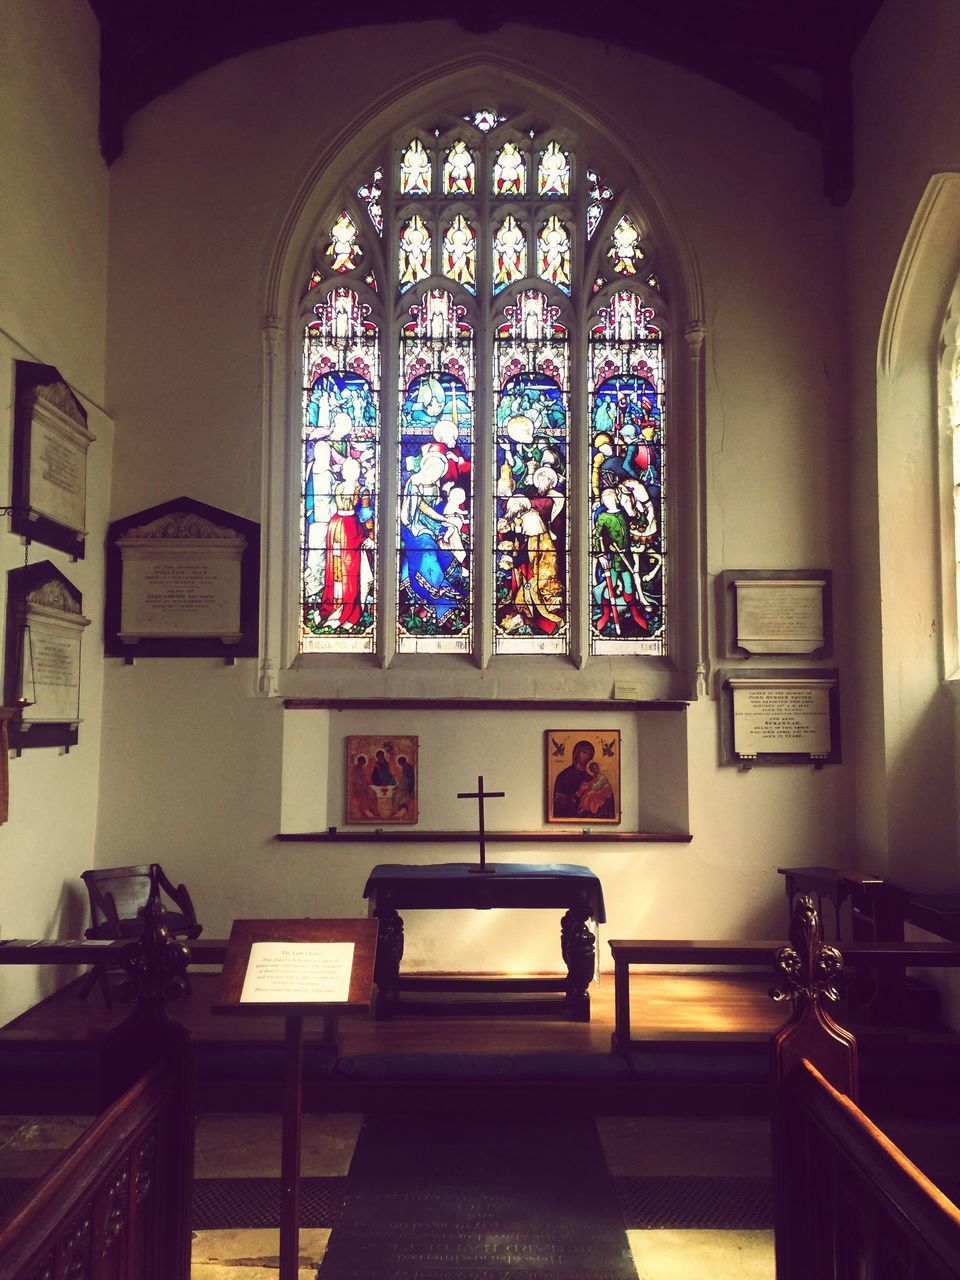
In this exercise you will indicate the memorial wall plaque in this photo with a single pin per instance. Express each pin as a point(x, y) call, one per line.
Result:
point(50, 444)
point(45, 625)
point(776, 611)
point(781, 717)
point(182, 580)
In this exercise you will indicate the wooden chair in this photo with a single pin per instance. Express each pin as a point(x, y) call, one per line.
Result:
point(118, 896)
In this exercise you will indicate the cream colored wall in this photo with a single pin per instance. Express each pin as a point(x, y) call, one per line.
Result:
point(899, 279)
point(191, 755)
point(53, 224)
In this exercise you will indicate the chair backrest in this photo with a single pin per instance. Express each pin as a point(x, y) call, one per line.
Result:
point(118, 896)
point(128, 889)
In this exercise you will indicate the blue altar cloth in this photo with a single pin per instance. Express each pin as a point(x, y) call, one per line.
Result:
point(512, 884)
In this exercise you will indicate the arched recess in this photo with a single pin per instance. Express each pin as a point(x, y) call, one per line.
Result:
point(466, 81)
point(915, 541)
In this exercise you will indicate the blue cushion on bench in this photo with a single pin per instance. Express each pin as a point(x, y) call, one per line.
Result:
point(259, 1062)
point(678, 1067)
point(42, 1063)
point(483, 1066)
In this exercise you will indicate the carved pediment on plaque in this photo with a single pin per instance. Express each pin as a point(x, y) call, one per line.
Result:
point(54, 594)
point(183, 524)
point(59, 396)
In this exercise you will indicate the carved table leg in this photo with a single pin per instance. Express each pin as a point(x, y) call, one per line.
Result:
point(386, 970)
point(578, 947)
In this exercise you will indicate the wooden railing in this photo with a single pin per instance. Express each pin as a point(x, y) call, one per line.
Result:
point(103, 1210)
point(116, 1206)
point(851, 1206)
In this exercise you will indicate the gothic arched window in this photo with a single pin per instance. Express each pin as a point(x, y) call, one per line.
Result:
point(484, 412)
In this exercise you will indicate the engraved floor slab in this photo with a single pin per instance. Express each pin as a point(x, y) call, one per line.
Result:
point(480, 1198)
point(251, 1255)
point(712, 1255)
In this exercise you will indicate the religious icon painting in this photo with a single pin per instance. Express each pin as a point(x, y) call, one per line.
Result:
point(583, 775)
point(381, 779)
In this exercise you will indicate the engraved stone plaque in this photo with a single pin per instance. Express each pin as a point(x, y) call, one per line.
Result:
point(782, 716)
point(181, 579)
point(58, 463)
point(779, 616)
point(50, 445)
point(45, 627)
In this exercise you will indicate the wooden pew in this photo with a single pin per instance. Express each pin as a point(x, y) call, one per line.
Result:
point(105, 1208)
point(849, 1204)
point(116, 1206)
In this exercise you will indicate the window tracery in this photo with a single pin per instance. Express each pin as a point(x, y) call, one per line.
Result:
point(498, 247)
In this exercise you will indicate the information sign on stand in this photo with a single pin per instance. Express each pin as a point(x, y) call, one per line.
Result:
point(296, 969)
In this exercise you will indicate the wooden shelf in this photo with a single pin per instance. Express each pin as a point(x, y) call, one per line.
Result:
point(414, 836)
point(477, 704)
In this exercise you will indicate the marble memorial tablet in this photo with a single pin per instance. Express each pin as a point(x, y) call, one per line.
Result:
point(781, 717)
point(45, 626)
point(57, 475)
point(777, 615)
point(181, 579)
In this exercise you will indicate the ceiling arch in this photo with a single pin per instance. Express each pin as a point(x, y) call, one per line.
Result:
point(791, 57)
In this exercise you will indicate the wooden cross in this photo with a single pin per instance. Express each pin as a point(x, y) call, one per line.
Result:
point(481, 795)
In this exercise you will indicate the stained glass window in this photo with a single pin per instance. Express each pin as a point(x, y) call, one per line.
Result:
point(510, 171)
point(484, 120)
point(625, 252)
point(598, 195)
point(511, 525)
point(553, 253)
point(435, 489)
point(553, 171)
point(341, 418)
point(531, 376)
point(460, 253)
point(509, 253)
point(416, 170)
point(459, 170)
point(415, 242)
point(370, 193)
point(627, 402)
point(344, 250)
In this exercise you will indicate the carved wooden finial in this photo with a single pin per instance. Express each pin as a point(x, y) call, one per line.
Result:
point(156, 963)
point(808, 967)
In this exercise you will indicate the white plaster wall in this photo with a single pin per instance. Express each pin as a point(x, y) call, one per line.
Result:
point(907, 130)
point(191, 755)
point(53, 218)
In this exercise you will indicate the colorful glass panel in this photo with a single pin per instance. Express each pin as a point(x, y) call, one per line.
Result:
point(371, 194)
point(416, 170)
point(627, 403)
point(341, 418)
point(415, 245)
point(484, 120)
point(459, 170)
point(553, 171)
point(509, 253)
point(510, 171)
point(598, 196)
point(435, 486)
point(316, 277)
point(625, 252)
point(553, 253)
point(531, 528)
point(460, 253)
point(344, 249)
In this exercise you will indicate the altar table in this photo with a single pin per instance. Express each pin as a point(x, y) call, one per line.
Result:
point(457, 886)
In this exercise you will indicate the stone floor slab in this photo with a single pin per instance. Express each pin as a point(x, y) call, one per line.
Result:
point(712, 1255)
